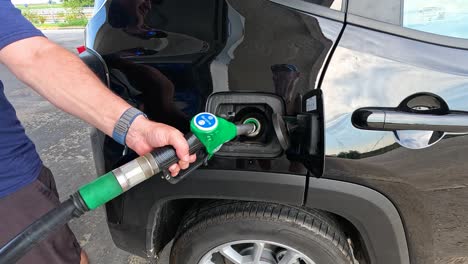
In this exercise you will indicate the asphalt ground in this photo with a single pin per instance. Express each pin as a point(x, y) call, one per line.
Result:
point(64, 145)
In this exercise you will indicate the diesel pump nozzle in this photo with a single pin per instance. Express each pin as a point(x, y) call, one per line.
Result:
point(208, 135)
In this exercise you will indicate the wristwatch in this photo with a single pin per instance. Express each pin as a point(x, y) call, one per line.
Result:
point(123, 125)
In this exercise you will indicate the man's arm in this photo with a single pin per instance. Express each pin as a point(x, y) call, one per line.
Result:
point(66, 82)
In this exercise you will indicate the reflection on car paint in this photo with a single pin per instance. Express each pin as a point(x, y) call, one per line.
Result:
point(127, 22)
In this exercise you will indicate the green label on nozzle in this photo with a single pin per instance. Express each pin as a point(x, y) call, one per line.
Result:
point(212, 131)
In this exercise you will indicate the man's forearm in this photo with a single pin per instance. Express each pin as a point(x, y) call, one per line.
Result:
point(64, 80)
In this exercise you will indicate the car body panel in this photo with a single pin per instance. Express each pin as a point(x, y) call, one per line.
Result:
point(427, 185)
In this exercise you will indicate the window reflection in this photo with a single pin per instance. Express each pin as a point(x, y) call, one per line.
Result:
point(142, 30)
point(148, 89)
point(447, 18)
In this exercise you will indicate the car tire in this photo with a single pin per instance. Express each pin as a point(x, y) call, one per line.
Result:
point(315, 234)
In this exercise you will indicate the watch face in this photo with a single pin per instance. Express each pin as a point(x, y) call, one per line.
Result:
point(206, 121)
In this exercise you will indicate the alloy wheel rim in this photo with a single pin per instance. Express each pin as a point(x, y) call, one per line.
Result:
point(254, 252)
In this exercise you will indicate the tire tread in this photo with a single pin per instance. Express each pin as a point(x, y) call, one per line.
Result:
point(319, 223)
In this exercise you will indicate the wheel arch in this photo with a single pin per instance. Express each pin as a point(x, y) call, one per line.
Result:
point(373, 215)
point(221, 185)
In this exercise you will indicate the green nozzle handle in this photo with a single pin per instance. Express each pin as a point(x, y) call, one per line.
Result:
point(212, 131)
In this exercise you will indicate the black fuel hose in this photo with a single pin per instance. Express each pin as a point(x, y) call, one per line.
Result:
point(16, 248)
point(74, 207)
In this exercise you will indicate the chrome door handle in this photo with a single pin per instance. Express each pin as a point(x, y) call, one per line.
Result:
point(391, 120)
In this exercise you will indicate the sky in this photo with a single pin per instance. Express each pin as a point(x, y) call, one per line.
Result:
point(19, 2)
point(450, 6)
point(448, 18)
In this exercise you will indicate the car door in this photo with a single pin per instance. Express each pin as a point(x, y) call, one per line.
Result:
point(395, 98)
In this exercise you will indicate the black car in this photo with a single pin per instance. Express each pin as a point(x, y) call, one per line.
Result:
point(362, 152)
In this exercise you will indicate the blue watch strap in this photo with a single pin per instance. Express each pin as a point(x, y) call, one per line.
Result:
point(125, 121)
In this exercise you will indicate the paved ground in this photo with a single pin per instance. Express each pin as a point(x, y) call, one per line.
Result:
point(63, 143)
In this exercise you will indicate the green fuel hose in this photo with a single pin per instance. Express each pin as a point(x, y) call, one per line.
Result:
point(209, 134)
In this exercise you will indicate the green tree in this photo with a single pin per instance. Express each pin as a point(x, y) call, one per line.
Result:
point(353, 154)
point(77, 3)
point(74, 14)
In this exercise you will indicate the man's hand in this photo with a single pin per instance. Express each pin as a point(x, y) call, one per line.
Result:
point(144, 136)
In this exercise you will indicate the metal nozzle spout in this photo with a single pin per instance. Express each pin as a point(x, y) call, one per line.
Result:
point(246, 129)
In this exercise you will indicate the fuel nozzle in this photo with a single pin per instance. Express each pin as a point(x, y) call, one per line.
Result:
point(250, 128)
point(214, 131)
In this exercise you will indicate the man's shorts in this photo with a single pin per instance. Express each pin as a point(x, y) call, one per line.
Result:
point(18, 210)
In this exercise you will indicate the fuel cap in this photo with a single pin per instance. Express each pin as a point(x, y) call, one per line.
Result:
point(205, 121)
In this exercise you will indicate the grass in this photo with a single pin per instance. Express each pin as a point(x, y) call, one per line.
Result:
point(72, 20)
point(39, 6)
point(74, 23)
point(55, 26)
point(78, 23)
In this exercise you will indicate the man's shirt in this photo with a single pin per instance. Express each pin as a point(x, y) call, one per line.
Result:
point(19, 162)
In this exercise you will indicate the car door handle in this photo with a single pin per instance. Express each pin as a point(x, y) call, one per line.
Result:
point(391, 120)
